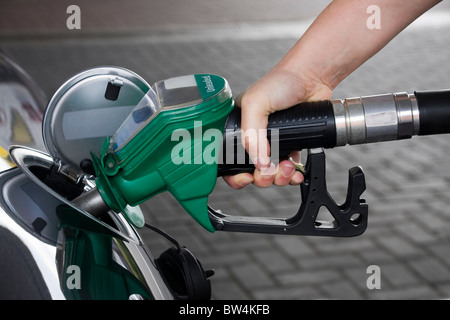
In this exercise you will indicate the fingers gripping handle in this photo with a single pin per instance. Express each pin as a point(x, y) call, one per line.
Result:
point(306, 125)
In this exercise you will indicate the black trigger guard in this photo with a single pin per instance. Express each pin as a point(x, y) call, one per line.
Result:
point(350, 218)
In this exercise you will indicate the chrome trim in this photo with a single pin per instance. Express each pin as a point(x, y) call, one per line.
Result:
point(376, 118)
point(405, 115)
point(415, 113)
point(131, 247)
point(356, 129)
point(381, 119)
point(340, 122)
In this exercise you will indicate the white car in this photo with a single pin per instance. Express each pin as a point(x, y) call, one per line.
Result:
point(51, 249)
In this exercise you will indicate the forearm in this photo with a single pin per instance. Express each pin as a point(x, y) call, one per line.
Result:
point(339, 40)
point(336, 44)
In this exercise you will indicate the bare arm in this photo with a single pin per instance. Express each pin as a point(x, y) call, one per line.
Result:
point(336, 44)
point(340, 40)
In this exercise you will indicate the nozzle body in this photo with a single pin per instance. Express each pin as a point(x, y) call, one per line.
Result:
point(149, 169)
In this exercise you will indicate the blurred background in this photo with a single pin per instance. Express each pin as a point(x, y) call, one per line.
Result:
point(408, 182)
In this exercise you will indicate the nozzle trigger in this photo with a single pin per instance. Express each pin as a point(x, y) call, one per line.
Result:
point(350, 218)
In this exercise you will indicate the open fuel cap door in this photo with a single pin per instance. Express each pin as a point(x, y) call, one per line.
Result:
point(87, 108)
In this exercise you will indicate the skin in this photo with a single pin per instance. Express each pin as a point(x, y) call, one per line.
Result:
point(335, 45)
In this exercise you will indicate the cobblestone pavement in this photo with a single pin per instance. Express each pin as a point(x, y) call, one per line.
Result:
point(408, 182)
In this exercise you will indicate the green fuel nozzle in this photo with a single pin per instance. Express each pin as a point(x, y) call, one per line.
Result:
point(160, 147)
point(185, 132)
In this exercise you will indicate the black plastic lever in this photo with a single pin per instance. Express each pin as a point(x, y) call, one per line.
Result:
point(350, 218)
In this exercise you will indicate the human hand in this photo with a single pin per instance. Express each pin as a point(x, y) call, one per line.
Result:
point(276, 91)
point(327, 53)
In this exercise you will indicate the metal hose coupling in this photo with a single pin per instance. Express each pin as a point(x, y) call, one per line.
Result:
point(376, 118)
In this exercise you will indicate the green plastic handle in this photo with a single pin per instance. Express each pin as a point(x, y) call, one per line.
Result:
point(177, 151)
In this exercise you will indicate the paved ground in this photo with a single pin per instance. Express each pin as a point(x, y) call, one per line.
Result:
point(408, 182)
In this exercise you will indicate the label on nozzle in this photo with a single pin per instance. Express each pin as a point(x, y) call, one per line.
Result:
point(209, 85)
